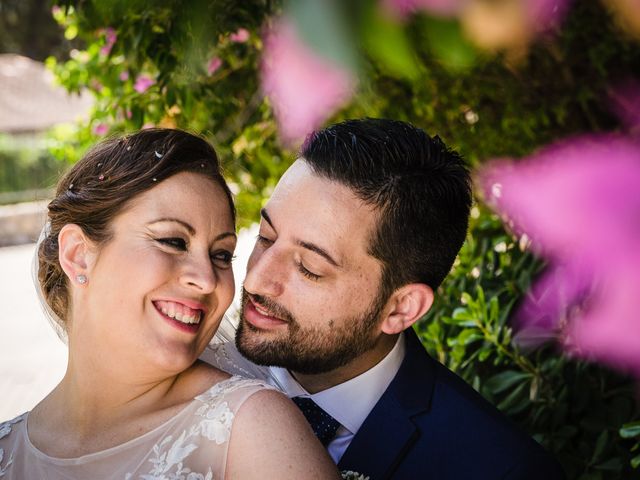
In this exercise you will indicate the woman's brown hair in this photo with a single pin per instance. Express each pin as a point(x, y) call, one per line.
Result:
point(100, 186)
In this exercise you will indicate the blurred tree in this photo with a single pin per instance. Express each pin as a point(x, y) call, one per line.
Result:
point(27, 28)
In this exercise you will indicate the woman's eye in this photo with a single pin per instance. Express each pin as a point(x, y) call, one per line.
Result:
point(222, 259)
point(175, 243)
point(307, 273)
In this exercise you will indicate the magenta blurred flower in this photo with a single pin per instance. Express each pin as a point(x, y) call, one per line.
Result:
point(304, 87)
point(110, 36)
point(546, 14)
point(100, 129)
point(442, 8)
point(214, 64)
point(143, 82)
point(241, 36)
point(124, 76)
point(579, 203)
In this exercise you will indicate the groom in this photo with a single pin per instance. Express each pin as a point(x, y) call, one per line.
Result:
point(356, 238)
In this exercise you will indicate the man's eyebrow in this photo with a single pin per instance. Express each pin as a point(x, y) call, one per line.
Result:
point(309, 246)
point(320, 251)
point(265, 215)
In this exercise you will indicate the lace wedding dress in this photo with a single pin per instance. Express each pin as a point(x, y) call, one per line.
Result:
point(190, 446)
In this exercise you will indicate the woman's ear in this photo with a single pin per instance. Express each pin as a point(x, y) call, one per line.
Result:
point(74, 253)
point(407, 305)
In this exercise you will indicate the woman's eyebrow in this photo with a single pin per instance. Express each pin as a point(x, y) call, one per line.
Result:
point(190, 229)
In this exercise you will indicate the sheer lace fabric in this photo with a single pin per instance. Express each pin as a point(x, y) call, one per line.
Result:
point(190, 446)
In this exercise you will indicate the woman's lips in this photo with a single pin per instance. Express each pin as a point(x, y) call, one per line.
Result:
point(260, 318)
point(180, 325)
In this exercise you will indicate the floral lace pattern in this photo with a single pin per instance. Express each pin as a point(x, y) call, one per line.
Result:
point(192, 445)
point(170, 453)
point(5, 429)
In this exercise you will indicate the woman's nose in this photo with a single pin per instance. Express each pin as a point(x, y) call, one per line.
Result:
point(200, 275)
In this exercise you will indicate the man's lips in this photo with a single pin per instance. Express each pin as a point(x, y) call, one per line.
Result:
point(260, 317)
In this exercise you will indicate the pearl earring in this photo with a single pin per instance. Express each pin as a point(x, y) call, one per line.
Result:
point(81, 279)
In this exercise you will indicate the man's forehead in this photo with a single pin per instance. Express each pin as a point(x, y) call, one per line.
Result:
point(312, 208)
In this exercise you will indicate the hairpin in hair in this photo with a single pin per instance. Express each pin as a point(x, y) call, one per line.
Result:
point(101, 177)
point(159, 155)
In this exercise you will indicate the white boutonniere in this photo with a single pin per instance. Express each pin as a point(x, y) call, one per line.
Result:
point(351, 475)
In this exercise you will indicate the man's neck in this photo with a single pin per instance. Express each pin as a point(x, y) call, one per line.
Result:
point(314, 383)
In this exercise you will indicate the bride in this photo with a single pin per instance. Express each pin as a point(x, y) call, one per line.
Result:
point(135, 266)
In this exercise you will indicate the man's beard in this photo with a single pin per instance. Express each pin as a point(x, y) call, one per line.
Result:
point(308, 350)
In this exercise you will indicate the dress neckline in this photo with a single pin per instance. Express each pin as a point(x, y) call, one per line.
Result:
point(116, 448)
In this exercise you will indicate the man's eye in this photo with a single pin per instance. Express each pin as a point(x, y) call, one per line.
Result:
point(175, 243)
point(263, 240)
point(307, 273)
point(222, 259)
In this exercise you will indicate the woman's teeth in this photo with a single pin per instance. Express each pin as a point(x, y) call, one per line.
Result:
point(180, 312)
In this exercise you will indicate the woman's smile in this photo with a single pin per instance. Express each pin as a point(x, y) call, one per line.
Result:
point(183, 317)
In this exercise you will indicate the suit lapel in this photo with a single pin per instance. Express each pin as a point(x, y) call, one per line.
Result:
point(380, 442)
point(388, 432)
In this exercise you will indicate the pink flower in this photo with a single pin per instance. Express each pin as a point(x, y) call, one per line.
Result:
point(100, 129)
point(143, 82)
point(124, 76)
point(304, 87)
point(241, 36)
point(147, 126)
point(110, 36)
point(214, 64)
point(546, 14)
point(579, 202)
point(404, 8)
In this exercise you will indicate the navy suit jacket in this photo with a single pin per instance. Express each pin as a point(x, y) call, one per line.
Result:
point(430, 424)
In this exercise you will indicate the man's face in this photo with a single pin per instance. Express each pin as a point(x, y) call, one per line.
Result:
point(312, 293)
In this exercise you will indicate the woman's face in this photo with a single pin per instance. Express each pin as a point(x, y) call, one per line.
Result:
point(159, 287)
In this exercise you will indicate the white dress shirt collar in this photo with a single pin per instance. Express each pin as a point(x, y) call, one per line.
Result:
point(350, 402)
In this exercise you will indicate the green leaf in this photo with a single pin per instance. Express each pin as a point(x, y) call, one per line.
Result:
point(630, 430)
point(71, 32)
point(323, 27)
point(601, 443)
point(445, 39)
point(511, 400)
point(387, 42)
point(613, 464)
point(504, 380)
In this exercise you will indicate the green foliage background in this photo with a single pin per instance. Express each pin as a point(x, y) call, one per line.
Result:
point(424, 72)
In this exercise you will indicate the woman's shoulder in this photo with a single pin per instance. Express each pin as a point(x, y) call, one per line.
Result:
point(6, 428)
point(9, 440)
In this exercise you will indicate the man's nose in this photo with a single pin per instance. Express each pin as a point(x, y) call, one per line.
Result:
point(265, 272)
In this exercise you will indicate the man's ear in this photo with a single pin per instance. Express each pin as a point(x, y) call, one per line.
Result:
point(74, 252)
point(407, 305)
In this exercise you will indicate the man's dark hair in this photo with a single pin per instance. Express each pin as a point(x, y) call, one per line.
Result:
point(420, 187)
